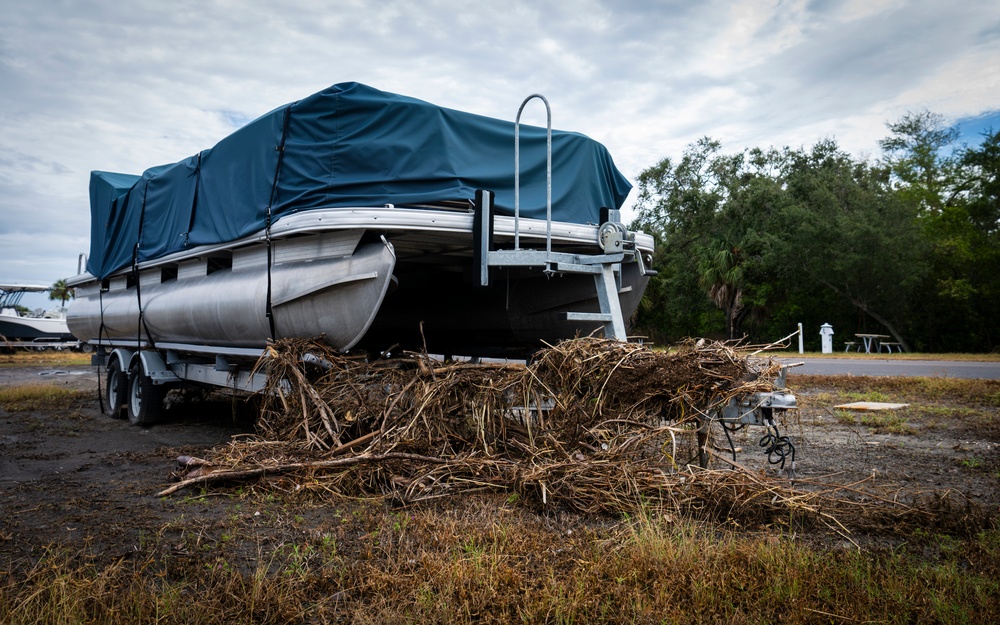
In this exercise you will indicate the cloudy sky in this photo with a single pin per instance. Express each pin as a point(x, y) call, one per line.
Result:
point(122, 86)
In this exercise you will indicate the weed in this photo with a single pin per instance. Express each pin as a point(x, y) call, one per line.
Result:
point(297, 561)
point(872, 395)
point(844, 417)
point(328, 544)
point(201, 496)
point(890, 422)
point(399, 521)
point(972, 462)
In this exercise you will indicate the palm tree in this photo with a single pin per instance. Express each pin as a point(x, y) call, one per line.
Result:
point(59, 291)
point(722, 277)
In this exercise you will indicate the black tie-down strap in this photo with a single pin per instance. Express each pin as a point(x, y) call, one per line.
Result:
point(267, 220)
point(141, 324)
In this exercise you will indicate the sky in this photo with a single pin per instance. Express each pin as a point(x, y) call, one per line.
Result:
point(123, 86)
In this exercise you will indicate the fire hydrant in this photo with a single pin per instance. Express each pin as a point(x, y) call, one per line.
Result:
point(826, 336)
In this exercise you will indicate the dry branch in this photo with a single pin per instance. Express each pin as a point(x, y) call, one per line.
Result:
point(594, 425)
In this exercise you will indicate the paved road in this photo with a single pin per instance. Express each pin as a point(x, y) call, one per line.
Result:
point(887, 366)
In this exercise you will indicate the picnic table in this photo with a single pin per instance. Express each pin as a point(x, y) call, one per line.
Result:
point(872, 342)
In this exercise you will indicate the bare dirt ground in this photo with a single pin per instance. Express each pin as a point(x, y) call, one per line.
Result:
point(73, 478)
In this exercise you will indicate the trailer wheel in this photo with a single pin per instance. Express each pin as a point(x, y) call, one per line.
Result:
point(145, 399)
point(116, 390)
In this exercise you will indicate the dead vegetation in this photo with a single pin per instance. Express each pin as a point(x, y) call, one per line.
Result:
point(81, 540)
point(591, 425)
point(39, 397)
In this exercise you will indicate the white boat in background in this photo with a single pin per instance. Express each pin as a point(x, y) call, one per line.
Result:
point(41, 328)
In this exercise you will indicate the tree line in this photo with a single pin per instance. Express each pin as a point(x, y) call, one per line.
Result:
point(906, 244)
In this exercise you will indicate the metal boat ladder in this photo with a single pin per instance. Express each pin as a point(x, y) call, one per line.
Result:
point(616, 242)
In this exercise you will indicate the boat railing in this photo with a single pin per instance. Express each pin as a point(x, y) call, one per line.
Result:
point(616, 243)
point(548, 172)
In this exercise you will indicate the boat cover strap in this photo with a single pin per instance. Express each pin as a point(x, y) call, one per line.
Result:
point(280, 148)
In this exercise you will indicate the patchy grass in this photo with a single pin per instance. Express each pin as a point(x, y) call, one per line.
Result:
point(845, 417)
point(40, 397)
point(934, 403)
point(906, 389)
point(887, 422)
point(486, 565)
point(878, 422)
point(875, 396)
point(972, 462)
point(48, 358)
point(279, 553)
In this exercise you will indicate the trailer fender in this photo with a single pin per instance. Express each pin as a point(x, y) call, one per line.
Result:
point(123, 356)
point(154, 366)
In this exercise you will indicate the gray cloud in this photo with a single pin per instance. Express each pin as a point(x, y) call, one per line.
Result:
point(125, 86)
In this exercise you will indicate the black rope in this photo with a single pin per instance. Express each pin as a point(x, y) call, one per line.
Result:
point(268, 310)
point(778, 448)
point(729, 439)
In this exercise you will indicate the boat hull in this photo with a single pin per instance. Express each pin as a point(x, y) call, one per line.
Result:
point(370, 278)
point(336, 298)
point(33, 329)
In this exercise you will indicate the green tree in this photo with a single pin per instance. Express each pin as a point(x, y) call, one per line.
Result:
point(976, 219)
point(852, 234)
point(722, 275)
point(711, 213)
point(954, 193)
point(59, 291)
point(914, 153)
point(771, 237)
point(677, 204)
point(981, 182)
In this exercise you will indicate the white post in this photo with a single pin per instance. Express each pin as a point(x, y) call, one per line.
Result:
point(826, 336)
point(801, 348)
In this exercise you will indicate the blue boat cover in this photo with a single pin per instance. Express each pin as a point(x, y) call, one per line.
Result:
point(347, 146)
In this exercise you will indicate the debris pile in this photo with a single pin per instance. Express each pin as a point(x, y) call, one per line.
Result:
point(593, 425)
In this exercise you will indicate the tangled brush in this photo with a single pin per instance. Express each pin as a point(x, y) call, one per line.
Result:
point(579, 393)
point(593, 425)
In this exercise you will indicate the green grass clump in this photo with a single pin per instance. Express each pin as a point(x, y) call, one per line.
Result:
point(872, 395)
point(887, 422)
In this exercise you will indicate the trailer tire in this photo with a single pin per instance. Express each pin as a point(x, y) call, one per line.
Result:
point(116, 390)
point(145, 399)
